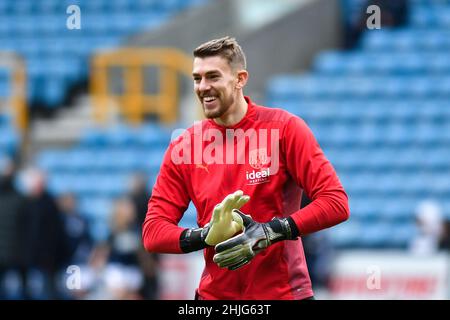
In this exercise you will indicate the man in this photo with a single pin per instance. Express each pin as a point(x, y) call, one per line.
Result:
point(12, 254)
point(230, 151)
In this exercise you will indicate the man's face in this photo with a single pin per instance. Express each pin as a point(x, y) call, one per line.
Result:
point(215, 85)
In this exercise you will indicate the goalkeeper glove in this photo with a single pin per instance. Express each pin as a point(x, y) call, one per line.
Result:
point(240, 250)
point(221, 227)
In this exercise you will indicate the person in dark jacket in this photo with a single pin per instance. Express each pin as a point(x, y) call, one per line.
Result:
point(46, 242)
point(12, 253)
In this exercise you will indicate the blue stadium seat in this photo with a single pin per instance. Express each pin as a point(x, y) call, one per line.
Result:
point(22, 8)
point(364, 209)
point(5, 88)
point(375, 235)
point(382, 115)
point(406, 40)
point(401, 235)
point(399, 210)
point(51, 160)
point(9, 140)
point(94, 137)
point(189, 219)
point(48, 7)
point(5, 7)
point(430, 16)
point(151, 160)
point(37, 30)
point(26, 26)
point(346, 235)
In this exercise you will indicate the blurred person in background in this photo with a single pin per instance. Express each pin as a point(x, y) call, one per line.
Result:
point(46, 242)
point(392, 13)
point(79, 241)
point(444, 244)
point(114, 266)
point(430, 228)
point(12, 252)
point(148, 261)
point(139, 194)
point(319, 254)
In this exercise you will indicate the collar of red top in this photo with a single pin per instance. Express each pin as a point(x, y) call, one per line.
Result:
point(248, 118)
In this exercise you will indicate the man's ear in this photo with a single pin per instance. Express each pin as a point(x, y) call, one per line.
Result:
point(242, 77)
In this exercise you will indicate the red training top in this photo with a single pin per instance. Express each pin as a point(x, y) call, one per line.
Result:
point(210, 161)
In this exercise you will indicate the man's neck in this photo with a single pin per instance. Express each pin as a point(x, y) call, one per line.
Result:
point(236, 113)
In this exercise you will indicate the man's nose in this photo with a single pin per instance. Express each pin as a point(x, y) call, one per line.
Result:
point(203, 85)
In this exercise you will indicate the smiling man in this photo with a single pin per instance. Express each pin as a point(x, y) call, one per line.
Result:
point(259, 254)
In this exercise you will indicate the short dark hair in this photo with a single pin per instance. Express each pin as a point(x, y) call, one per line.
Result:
point(225, 47)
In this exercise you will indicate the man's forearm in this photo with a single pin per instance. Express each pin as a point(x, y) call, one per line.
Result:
point(161, 236)
point(324, 212)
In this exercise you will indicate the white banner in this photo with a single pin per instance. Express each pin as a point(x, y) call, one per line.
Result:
point(359, 275)
point(180, 275)
point(389, 275)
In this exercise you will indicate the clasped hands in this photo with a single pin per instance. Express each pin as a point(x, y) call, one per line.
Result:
point(234, 249)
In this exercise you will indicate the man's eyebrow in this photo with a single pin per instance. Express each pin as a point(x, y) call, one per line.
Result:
point(207, 73)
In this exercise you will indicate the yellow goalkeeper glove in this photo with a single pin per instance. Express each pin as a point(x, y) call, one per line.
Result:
point(223, 225)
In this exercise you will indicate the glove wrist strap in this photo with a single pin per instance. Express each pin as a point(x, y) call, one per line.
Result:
point(193, 239)
point(282, 229)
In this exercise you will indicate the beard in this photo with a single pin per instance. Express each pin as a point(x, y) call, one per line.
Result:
point(222, 107)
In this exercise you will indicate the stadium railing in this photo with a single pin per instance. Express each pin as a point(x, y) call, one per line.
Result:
point(134, 102)
point(15, 97)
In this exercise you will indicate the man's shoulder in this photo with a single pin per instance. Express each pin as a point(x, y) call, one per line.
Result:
point(275, 114)
point(188, 133)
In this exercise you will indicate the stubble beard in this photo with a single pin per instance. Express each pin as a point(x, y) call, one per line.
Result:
point(223, 107)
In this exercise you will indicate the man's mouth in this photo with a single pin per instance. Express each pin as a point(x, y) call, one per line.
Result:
point(209, 101)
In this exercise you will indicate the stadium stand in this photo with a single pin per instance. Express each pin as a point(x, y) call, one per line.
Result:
point(57, 57)
point(381, 114)
point(380, 111)
point(108, 156)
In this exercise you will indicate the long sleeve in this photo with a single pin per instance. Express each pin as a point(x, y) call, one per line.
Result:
point(312, 171)
point(169, 201)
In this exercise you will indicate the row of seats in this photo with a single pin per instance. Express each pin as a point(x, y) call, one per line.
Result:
point(375, 110)
point(90, 24)
point(378, 135)
point(5, 82)
point(382, 115)
point(98, 169)
point(323, 86)
point(429, 2)
point(101, 160)
point(73, 44)
point(9, 137)
point(430, 16)
point(333, 62)
point(57, 58)
point(419, 184)
point(26, 7)
point(351, 159)
point(406, 40)
point(378, 235)
point(386, 207)
point(146, 135)
point(109, 184)
point(389, 159)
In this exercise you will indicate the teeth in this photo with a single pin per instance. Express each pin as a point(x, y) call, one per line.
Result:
point(209, 99)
